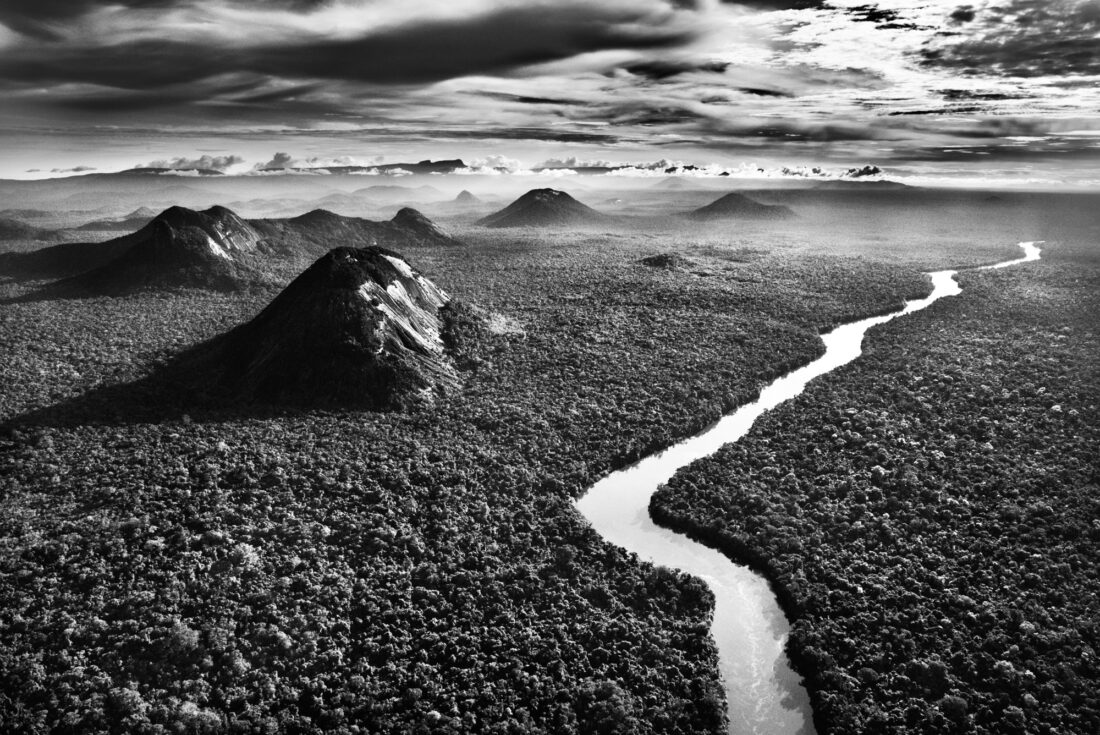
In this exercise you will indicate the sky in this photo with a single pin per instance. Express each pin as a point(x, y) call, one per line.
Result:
point(925, 89)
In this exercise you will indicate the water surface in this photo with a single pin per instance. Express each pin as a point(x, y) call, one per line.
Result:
point(764, 696)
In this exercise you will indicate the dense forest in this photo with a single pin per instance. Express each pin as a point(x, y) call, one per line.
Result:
point(928, 514)
point(168, 569)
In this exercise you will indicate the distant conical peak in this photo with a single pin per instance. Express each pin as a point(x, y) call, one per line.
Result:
point(410, 216)
point(544, 207)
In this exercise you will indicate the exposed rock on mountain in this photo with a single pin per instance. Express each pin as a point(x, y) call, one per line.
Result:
point(358, 328)
point(544, 208)
point(739, 206)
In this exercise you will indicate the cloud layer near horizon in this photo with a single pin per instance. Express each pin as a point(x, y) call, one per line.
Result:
point(845, 79)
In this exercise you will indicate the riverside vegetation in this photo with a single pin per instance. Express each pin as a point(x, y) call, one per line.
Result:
point(167, 569)
point(928, 514)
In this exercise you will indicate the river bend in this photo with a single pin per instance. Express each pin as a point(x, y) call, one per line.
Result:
point(763, 695)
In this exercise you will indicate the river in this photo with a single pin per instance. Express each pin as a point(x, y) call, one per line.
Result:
point(763, 695)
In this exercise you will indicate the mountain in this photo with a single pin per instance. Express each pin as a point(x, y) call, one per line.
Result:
point(855, 185)
point(465, 197)
point(359, 328)
point(672, 183)
point(241, 246)
point(315, 233)
point(181, 248)
point(13, 229)
point(739, 206)
point(544, 208)
point(417, 229)
point(153, 171)
point(127, 223)
point(394, 194)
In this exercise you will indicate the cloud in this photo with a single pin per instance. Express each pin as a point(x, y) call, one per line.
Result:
point(659, 69)
point(196, 41)
point(212, 163)
point(574, 162)
point(73, 170)
point(279, 160)
point(1023, 38)
point(283, 161)
point(862, 172)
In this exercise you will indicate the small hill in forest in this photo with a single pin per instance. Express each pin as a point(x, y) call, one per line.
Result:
point(544, 208)
point(667, 261)
point(358, 328)
point(465, 197)
point(739, 206)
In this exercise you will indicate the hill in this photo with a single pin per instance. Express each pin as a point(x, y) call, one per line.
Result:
point(395, 194)
point(127, 223)
point(544, 208)
point(358, 328)
point(853, 185)
point(252, 243)
point(672, 183)
point(13, 229)
point(465, 197)
point(739, 206)
point(315, 233)
point(181, 248)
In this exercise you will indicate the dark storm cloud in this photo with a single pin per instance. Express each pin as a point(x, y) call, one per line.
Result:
point(421, 52)
point(532, 133)
point(1025, 38)
point(42, 19)
point(777, 4)
point(762, 92)
point(528, 100)
point(666, 69)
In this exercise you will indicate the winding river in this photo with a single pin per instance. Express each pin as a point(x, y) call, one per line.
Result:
point(763, 695)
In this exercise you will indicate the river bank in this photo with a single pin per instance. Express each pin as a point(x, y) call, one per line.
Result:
point(926, 514)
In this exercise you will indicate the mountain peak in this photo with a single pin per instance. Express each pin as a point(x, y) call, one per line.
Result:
point(739, 206)
point(544, 208)
point(359, 327)
point(421, 229)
